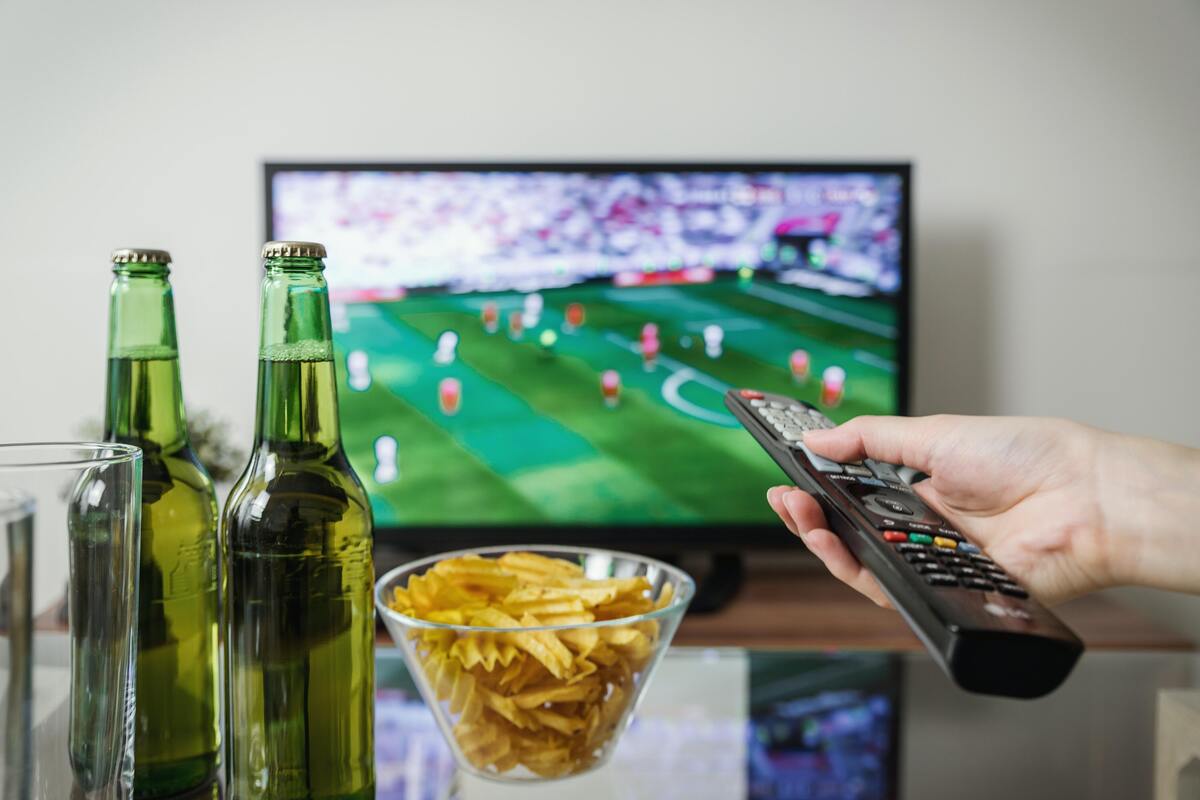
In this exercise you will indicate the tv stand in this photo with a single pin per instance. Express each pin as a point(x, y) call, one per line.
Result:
point(718, 578)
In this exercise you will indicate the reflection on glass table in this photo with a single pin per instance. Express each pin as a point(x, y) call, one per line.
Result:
point(715, 723)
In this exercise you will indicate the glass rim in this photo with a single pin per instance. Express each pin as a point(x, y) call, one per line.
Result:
point(65, 455)
point(684, 586)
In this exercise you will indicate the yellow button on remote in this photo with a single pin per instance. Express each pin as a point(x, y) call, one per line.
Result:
point(942, 541)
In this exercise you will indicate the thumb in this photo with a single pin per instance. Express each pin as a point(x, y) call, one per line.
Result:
point(900, 440)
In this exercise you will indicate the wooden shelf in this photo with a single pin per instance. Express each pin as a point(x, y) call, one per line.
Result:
point(791, 608)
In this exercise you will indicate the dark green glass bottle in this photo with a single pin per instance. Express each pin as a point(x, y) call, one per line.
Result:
point(176, 736)
point(298, 574)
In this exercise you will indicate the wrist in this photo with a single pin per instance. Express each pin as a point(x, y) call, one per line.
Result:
point(1149, 496)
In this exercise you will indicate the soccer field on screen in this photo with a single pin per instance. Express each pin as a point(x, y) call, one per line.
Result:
point(533, 440)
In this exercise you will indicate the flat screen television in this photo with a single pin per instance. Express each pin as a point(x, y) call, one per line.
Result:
point(539, 351)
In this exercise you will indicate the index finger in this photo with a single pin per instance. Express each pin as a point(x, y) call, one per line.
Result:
point(897, 440)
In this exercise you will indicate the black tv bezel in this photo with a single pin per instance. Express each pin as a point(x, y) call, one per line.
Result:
point(664, 539)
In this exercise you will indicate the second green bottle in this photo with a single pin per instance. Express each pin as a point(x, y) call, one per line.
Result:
point(298, 575)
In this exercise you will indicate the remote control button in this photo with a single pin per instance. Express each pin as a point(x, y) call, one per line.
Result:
point(920, 538)
point(894, 506)
point(796, 408)
point(950, 558)
point(943, 542)
point(1012, 590)
point(996, 574)
point(914, 558)
point(751, 394)
point(941, 579)
point(793, 436)
point(979, 583)
point(900, 486)
point(872, 482)
point(778, 405)
point(966, 572)
point(968, 548)
point(979, 558)
point(910, 525)
point(857, 471)
point(895, 536)
point(883, 470)
point(911, 548)
point(757, 403)
point(927, 567)
point(820, 463)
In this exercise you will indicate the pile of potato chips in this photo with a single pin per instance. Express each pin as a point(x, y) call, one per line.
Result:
point(547, 700)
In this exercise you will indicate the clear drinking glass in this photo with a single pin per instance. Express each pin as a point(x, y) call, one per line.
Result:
point(69, 514)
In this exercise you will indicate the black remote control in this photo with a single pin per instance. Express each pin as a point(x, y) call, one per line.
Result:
point(977, 622)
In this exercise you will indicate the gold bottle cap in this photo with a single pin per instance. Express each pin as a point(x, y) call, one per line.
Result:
point(293, 250)
point(140, 255)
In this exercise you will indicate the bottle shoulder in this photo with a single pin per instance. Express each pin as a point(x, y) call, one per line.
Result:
point(296, 497)
point(174, 469)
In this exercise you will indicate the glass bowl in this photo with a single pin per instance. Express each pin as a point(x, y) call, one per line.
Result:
point(506, 715)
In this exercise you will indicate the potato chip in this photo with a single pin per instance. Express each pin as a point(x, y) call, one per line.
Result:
point(558, 722)
point(581, 640)
point(553, 606)
point(575, 618)
point(555, 693)
point(588, 595)
point(625, 607)
point(532, 672)
point(476, 576)
point(534, 568)
point(545, 700)
point(483, 648)
point(505, 707)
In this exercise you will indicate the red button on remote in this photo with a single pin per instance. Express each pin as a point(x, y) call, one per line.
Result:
point(895, 536)
point(751, 394)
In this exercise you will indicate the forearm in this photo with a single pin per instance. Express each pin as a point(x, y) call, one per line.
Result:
point(1150, 498)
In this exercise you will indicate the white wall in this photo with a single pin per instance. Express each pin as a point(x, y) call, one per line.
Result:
point(1057, 147)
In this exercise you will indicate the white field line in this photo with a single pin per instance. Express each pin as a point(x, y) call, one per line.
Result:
point(818, 310)
point(680, 374)
point(870, 359)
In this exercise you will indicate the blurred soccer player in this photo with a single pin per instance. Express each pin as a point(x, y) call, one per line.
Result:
point(650, 348)
point(575, 317)
point(714, 337)
point(490, 314)
point(610, 387)
point(358, 374)
point(533, 309)
point(833, 386)
point(449, 396)
point(447, 348)
point(386, 469)
point(800, 365)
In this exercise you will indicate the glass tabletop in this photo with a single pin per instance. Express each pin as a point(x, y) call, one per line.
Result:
point(715, 723)
point(728, 723)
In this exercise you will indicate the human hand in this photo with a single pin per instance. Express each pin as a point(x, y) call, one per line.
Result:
point(1055, 503)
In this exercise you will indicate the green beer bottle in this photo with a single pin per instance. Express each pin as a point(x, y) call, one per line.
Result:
point(298, 575)
point(176, 734)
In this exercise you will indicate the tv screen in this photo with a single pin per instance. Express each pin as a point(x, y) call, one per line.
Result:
point(549, 345)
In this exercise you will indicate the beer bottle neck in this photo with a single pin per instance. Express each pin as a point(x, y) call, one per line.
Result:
point(144, 398)
point(297, 392)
